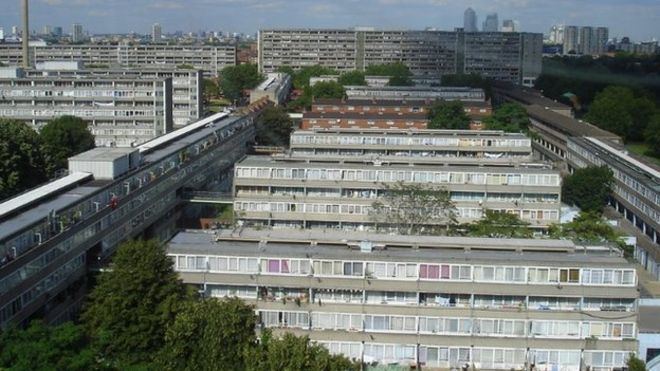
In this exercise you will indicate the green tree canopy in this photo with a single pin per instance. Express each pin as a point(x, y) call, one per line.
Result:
point(301, 77)
point(415, 209)
point(398, 72)
point(235, 79)
point(327, 89)
point(22, 164)
point(133, 303)
point(293, 353)
point(274, 127)
point(211, 89)
point(588, 188)
point(500, 225)
point(509, 117)
point(42, 347)
point(618, 110)
point(352, 78)
point(635, 364)
point(209, 335)
point(448, 115)
point(62, 138)
point(587, 227)
point(653, 135)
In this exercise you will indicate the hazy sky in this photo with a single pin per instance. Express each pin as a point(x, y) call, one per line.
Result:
point(635, 18)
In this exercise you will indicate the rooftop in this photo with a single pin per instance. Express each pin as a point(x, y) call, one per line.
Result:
point(364, 163)
point(528, 95)
point(365, 115)
point(567, 125)
point(413, 133)
point(412, 101)
point(103, 154)
point(346, 245)
point(642, 170)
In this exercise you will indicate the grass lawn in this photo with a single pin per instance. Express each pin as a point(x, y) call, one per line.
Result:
point(642, 149)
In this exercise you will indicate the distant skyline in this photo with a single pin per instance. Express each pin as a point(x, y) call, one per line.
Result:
point(634, 18)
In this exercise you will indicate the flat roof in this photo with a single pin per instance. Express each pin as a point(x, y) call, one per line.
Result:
point(57, 202)
point(408, 102)
point(645, 172)
point(416, 88)
point(332, 244)
point(103, 154)
point(364, 115)
point(566, 124)
point(412, 132)
point(528, 95)
point(304, 162)
point(30, 197)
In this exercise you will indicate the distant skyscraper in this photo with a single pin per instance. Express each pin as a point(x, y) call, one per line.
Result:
point(586, 43)
point(491, 23)
point(47, 30)
point(602, 37)
point(57, 31)
point(470, 20)
point(509, 25)
point(2, 34)
point(156, 33)
point(556, 34)
point(570, 40)
point(14, 30)
point(77, 33)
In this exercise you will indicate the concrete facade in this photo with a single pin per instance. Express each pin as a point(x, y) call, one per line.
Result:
point(210, 59)
point(439, 303)
point(120, 111)
point(495, 55)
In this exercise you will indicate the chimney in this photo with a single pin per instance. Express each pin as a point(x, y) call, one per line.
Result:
point(26, 36)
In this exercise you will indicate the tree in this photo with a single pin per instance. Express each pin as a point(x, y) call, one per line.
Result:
point(274, 126)
point(352, 78)
point(448, 115)
point(653, 135)
point(42, 347)
point(415, 208)
point(293, 353)
point(500, 225)
point(587, 227)
point(22, 165)
point(327, 89)
point(211, 89)
point(588, 188)
point(635, 364)
point(509, 117)
point(235, 79)
point(398, 72)
point(618, 110)
point(133, 303)
point(209, 335)
point(62, 138)
point(301, 77)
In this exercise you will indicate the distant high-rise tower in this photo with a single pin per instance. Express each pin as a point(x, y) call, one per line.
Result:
point(602, 37)
point(570, 40)
point(14, 30)
point(491, 23)
point(557, 34)
point(156, 32)
point(470, 20)
point(2, 34)
point(57, 31)
point(77, 33)
point(509, 25)
point(586, 43)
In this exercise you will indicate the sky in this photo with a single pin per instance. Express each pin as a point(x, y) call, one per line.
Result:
point(635, 18)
